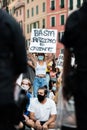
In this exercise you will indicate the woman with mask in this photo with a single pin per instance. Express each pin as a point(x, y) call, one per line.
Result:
point(40, 71)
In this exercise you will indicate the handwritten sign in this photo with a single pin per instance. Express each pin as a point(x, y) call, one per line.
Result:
point(43, 41)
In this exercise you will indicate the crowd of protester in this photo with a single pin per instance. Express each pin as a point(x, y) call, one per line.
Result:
point(47, 80)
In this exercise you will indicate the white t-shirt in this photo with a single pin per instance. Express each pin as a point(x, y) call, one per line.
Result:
point(42, 111)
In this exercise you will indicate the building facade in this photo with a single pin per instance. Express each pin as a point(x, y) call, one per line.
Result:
point(49, 14)
point(35, 16)
point(57, 11)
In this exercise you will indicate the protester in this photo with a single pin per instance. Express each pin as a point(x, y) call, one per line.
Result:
point(75, 38)
point(26, 85)
point(40, 71)
point(12, 64)
point(53, 71)
point(24, 93)
point(43, 111)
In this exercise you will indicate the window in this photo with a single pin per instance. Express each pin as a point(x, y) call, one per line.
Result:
point(62, 4)
point(32, 12)
point(28, 13)
point(16, 13)
point(21, 24)
point(30, 27)
point(71, 5)
point(37, 24)
point(34, 25)
point(53, 21)
point(37, 9)
point(62, 19)
point(20, 11)
point(60, 34)
point(27, 43)
point(27, 28)
point(43, 9)
point(4, 3)
point(43, 23)
point(52, 5)
point(27, 1)
point(62, 50)
point(78, 3)
point(13, 10)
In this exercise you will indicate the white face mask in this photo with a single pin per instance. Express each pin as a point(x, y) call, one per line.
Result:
point(25, 87)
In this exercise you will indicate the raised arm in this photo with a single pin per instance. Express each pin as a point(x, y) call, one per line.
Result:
point(50, 58)
point(31, 56)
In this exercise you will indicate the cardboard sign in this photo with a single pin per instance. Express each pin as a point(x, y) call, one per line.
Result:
point(43, 41)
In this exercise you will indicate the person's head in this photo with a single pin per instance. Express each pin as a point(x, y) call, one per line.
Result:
point(26, 84)
point(57, 69)
point(41, 94)
point(41, 56)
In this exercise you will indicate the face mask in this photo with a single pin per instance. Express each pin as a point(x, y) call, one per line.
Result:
point(40, 97)
point(54, 88)
point(25, 87)
point(40, 57)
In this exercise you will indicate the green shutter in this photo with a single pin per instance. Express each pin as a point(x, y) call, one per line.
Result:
point(62, 3)
point(52, 5)
point(78, 3)
point(53, 21)
point(62, 19)
point(44, 7)
point(37, 9)
point(71, 4)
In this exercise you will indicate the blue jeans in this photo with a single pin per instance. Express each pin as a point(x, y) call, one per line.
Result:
point(38, 83)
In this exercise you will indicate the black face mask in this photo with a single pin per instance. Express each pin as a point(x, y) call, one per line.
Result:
point(40, 97)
